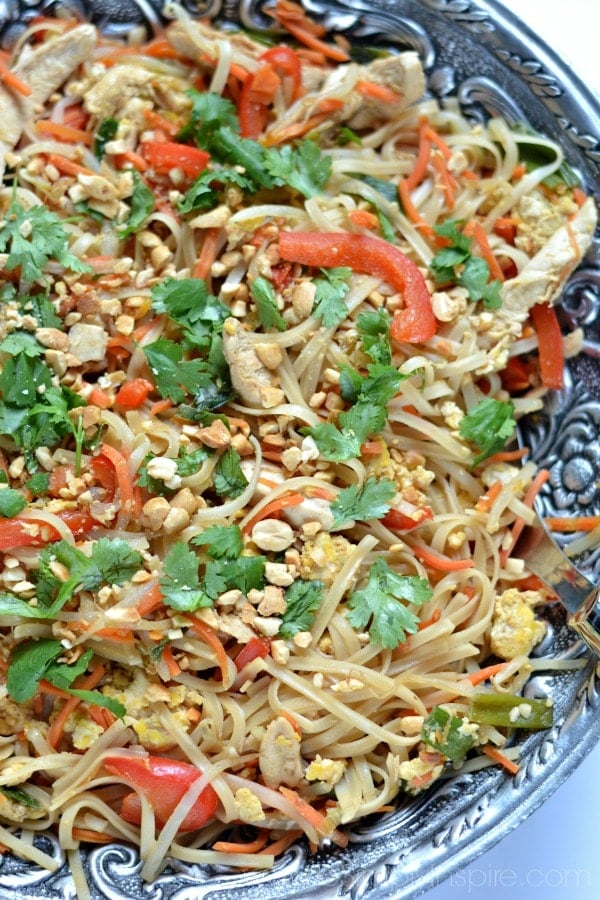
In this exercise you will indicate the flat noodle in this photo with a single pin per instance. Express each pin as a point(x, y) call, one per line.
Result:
point(264, 335)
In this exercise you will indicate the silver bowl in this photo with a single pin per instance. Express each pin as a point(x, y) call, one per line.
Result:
point(481, 53)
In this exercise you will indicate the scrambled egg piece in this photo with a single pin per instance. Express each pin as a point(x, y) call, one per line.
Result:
point(249, 806)
point(418, 774)
point(515, 630)
point(139, 696)
point(83, 730)
point(323, 557)
point(328, 770)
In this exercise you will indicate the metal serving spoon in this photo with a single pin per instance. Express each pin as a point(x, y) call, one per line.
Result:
point(578, 595)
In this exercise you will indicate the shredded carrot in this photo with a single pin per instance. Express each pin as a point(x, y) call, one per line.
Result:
point(486, 500)
point(289, 717)
point(371, 448)
point(150, 601)
point(280, 846)
point(275, 506)
point(376, 91)
point(519, 524)
point(579, 196)
point(362, 218)
point(297, 129)
point(320, 493)
point(86, 684)
point(432, 135)
point(125, 486)
point(308, 812)
point(160, 48)
point(500, 758)
point(118, 635)
point(412, 212)
point(447, 180)
point(12, 81)
point(67, 166)
point(419, 170)
point(161, 406)
point(172, 664)
point(65, 133)
point(303, 36)
point(208, 252)
point(210, 637)
point(91, 837)
point(476, 230)
point(46, 688)
point(235, 847)
point(572, 523)
point(519, 170)
point(98, 397)
point(507, 456)
point(431, 621)
point(441, 563)
point(157, 121)
point(102, 716)
point(488, 672)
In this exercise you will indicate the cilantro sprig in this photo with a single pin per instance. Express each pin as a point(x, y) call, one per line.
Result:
point(303, 600)
point(488, 425)
point(383, 604)
point(331, 290)
point(455, 264)
point(369, 501)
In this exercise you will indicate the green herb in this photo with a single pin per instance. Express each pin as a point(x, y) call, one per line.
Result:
point(42, 309)
point(330, 291)
point(374, 330)
point(180, 582)
point(245, 573)
point(379, 386)
point(175, 376)
point(22, 342)
point(209, 113)
point(11, 502)
point(382, 605)
point(107, 129)
point(387, 189)
point(229, 480)
point(303, 599)
point(32, 238)
point(488, 425)
point(455, 264)
point(38, 484)
point(188, 462)
point(370, 501)
point(343, 441)
point(33, 660)
point(17, 795)
point(141, 205)
point(507, 711)
point(206, 190)
point(187, 302)
point(535, 155)
point(263, 294)
point(445, 733)
point(347, 136)
point(221, 541)
point(388, 232)
point(304, 169)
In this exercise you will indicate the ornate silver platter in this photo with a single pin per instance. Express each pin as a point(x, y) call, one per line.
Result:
point(479, 52)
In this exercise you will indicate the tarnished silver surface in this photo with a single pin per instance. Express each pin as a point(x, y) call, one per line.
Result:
point(479, 52)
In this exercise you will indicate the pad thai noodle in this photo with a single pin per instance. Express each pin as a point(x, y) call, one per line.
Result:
point(269, 317)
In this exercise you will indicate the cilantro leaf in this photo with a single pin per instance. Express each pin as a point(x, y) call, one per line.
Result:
point(329, 303)
point(205, 190)
point(38, 484)
point(374, 330)
point(187, 302)
point(229, 479)
point(141, 205)
point(534, 155)
point(305, 169)
point(244, 573)
point(344, 440)
point(41, 308)
point(227, 146)
point(210, 112)
point(11, 605)
point(20, 379)
point(180, 583)
point(488, 425)
point(95, 698)
point(387, 189)
point(263, 294)
point(33, 237)
point(382, 603)
point(303, 599)
point(21, 342)
point(106, 131)
point(114, 561)
point(221, 541)
point(475, 277)
point(11, 502)
point(456, 264)
point(173, 375)
point(188, 462)
point(380, 385)
point(443, 731)
point(369, 501)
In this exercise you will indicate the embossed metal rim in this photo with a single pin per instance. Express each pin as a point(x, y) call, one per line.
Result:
point(406, 852)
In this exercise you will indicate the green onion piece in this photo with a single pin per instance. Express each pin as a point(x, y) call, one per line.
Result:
point(445, 733)
point(510, 711)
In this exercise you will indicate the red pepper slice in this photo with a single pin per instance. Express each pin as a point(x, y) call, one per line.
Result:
point(550, 345)
point(373, 256)
point(398, 521)
point(163, 782)
point(133, 393)
point(164, 156)
point(255, 647)
point(17, 533)
point(286, 62)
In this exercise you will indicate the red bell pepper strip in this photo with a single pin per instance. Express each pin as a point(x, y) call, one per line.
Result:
point(399, 521)
point(550, 345)
point(373, 256)
point(164, 156)
point(163, 782)
point(133, 393)
point(256, 647)
point(18, 532)
point(286, 62)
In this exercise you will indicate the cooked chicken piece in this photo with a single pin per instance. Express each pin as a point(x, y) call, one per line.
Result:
point(540, 281)
point(110, 96)
point(279, 756)
point(43, 70)
point(250, 378)
point(196, 40)
point(401, 74)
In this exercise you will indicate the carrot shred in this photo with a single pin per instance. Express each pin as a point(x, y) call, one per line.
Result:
point(486, 500)
point(419, 170)
point(519, 524)
point(376, 91)
point(507, 456)
point(65, 133)
point(500, 758)
point(127, 493)
point(431, 621)
point(58, 725)
point(150, 602)
point(572, 523)
point(98, 397)
point(238, 847)
point(488, 672)
point(441, 563)
point(275, 506)
point(157, 121)
point(476, 230)
point(280, 846)
point(208, 252)
point(362, 218)
point(211, 638)
point(304, 36)
point(172, 664)
point(67, 166)
point(297, 129)
point(12, 81)
point(432, 135)
point(446, 179)
point(90, 836)
point(308, 812)
point(412, 212)
point(161, 406)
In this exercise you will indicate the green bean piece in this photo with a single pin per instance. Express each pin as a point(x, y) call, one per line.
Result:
point(510, 711)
